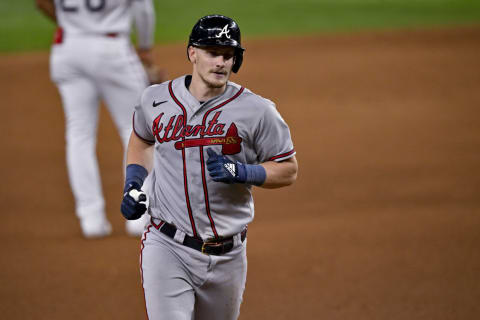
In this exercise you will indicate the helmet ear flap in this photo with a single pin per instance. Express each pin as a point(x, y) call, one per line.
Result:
point(238, 61)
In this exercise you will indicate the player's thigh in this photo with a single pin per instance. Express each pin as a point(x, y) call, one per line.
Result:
point(80, 103)
point(167, 288)
point(221, 296)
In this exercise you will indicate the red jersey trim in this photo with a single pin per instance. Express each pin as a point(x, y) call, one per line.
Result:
point(185, 179)
point(283, 155)
point(142, 246)
point(58, 36)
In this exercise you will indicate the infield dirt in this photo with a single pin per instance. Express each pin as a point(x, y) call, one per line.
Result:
point(383, 222)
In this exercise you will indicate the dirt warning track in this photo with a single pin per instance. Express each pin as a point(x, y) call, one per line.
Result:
point(383, 222)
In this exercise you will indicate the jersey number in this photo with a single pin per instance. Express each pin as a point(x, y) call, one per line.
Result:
point(91, 5)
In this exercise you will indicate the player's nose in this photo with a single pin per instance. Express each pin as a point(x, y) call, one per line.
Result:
point(220, 62)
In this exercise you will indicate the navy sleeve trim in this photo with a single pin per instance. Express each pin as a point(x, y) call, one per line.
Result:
point(282, 156)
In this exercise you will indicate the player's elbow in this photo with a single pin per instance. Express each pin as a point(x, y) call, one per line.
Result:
point(284, 177)
point(291, 175)
point(287, 179)
point(292, 170)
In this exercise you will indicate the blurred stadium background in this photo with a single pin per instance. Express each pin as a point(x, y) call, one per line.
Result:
point(383, 223)
point(23, 28)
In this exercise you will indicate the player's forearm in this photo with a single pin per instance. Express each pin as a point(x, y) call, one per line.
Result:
point(146, 56)
point(139, 152)
point(144, 19)
point(48, 8)
point(280, 174)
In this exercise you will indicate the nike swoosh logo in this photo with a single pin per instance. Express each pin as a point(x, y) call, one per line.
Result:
point(156, 104)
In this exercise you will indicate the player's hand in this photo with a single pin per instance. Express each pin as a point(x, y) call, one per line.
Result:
point(146, 56)
point(134, 203)
point(156, 74)
point(222, 169)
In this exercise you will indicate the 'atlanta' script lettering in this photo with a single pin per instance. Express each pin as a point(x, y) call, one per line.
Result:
point(175, 129)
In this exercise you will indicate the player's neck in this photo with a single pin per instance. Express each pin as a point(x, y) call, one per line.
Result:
point(202, 91)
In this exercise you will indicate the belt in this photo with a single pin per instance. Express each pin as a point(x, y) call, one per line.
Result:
point(60, 34)
point(212, 247)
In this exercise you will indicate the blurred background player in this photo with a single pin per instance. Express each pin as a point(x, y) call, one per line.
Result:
point(92, 58)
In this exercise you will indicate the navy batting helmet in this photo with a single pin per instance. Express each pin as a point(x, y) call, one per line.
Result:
point(217, 30)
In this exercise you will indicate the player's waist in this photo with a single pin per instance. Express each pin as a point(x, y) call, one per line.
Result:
point(211, 246)
point(61, 34)
point(110, 34)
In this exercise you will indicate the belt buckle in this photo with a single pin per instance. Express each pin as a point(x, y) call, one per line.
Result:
point(203, 248)
point(212, 244)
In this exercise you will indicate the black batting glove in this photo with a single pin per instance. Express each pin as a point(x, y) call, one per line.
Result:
point(134, 203)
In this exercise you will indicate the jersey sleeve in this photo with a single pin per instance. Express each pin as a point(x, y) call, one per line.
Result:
point(273, 141)
point(144, 20)
point(141, 127)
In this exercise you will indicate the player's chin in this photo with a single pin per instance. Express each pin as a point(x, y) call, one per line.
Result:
point(219, 77)
point(217, 81)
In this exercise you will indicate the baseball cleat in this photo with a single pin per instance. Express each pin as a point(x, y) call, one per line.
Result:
point(95, 229)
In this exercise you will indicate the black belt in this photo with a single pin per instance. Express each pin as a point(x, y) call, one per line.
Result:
point(213, 247)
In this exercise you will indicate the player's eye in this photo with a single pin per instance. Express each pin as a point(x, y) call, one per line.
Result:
point(215, 53)
point(227, 56)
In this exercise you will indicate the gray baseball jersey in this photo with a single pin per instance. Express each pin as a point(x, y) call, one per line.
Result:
point(238, 123)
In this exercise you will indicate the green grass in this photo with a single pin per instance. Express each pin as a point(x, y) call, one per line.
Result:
point(22, 27)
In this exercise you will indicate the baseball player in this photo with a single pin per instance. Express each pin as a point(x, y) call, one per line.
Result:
point(92, 58)
point(206, 141)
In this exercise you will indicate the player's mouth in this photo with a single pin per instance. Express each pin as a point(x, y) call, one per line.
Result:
point(220, 75)
point(220, 72)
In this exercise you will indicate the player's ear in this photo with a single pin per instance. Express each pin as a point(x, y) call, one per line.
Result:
point(192, 54)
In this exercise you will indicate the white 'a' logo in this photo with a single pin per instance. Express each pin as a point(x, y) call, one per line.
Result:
point(224, 31)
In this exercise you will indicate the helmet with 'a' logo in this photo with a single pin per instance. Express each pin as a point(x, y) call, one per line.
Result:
point(218, 30)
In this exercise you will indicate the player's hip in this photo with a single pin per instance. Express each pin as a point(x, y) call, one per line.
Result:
point(222, 246)
point(96, 58)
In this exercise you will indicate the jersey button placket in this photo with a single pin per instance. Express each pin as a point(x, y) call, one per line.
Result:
point(194, 165)
point(200, 196)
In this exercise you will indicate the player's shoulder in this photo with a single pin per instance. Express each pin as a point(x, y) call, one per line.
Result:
point(156, 88)
point(155, 92)
point(253, 99)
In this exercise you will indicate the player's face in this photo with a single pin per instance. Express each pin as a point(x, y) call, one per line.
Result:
point(213, 64)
